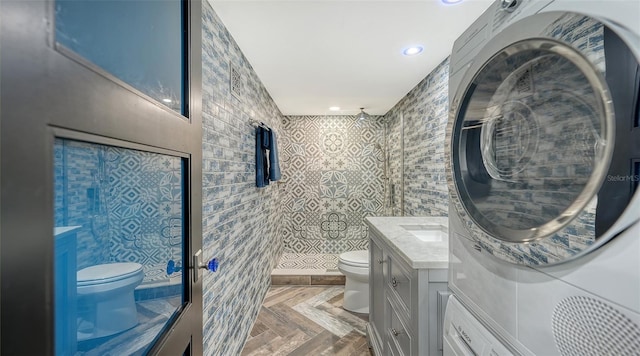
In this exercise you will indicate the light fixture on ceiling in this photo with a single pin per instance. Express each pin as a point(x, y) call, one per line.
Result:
point(413, 50)
point(167, 100)
point(362, 115)
point(451, 2)
point(334, 108)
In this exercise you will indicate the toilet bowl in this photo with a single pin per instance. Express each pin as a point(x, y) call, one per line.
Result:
point(106, 305)
point(355, 266)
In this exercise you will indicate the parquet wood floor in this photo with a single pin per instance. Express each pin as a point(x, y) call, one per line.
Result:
point(307, 321)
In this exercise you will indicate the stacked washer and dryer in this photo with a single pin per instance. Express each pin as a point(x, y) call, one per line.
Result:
point(543, 158)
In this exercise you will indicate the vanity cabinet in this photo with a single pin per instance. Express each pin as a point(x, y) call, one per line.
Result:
point(406, 305)
point(65, 287)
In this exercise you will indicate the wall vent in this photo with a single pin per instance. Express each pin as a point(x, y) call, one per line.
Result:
point(235, 81)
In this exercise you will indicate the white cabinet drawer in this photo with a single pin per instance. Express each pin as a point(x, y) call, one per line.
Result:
point(391, 349)
point(400, 282)
point(398, 333)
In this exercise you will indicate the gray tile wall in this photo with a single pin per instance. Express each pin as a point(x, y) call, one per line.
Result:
point(333, 173)
point(75, 166)
point(240, 221)
point(393, 136)
point(425, 110)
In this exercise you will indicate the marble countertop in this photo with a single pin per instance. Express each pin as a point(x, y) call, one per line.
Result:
point(416, 253)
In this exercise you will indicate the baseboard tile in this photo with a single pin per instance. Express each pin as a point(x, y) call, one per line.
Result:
point(306, 280)
point(327, 280)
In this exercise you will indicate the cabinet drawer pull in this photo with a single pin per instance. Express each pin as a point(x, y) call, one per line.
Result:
point(394, 332)
point(394, 282)
point(380, 261)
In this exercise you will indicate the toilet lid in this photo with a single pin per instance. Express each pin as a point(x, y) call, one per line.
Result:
point(107, 273)
point(355, 258)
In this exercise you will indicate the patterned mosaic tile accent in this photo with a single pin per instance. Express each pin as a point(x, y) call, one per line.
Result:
point(127, 202)
point(425, 110)
point(240, 222)
point(333, 169)
point(145, 206)
point(308, 261)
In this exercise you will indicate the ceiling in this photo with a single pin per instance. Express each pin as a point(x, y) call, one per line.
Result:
point(311, 55)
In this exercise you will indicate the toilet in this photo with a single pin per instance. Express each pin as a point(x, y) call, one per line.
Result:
point(106, 305)
point(355, 266)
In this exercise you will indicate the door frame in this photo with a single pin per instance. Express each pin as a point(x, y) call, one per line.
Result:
point(46, 94)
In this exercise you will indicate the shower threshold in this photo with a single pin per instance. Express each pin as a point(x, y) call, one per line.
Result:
point(307, 269)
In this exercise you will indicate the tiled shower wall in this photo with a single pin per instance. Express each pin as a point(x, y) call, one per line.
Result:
point(73, 165)
point(334, 172)
point(425, 110)
point(127, 203)
point(334, 179)
point(240, 221)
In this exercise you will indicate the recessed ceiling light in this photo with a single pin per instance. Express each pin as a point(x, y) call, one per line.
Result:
point(334, 108)
point(166, 100)
point(413, 50)
point(451, 2)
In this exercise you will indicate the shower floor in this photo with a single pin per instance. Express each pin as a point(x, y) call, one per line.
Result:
point(307, 264)
point(152, 318)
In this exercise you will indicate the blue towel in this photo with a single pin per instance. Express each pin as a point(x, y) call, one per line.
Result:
point(262, 168)
point(274, 164)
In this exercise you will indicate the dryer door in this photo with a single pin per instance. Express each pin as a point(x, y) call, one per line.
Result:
point(540, 139)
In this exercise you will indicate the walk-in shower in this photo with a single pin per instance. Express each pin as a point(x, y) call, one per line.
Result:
point(334, 177)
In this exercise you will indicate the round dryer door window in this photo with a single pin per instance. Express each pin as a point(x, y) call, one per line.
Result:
point(539, 132)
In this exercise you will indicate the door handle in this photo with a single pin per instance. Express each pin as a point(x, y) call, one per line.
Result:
point(211, 266)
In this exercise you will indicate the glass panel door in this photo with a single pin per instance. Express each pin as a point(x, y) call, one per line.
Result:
point(101, 204)
point(119, 247)
point(139, 42)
